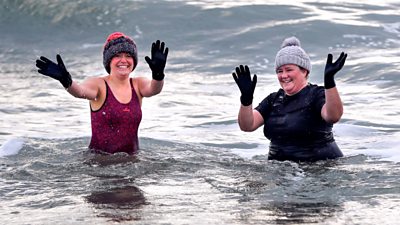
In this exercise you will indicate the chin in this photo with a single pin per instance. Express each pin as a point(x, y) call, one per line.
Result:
point(289, 91)
point(287, 87)
point(123, 73)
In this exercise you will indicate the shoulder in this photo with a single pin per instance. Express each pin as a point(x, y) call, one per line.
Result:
point(139, 84)
point(140, 80)
point(315, 87)
point(316, 90)
point(97, 84)
point(268, 101)
point(95, 81)
point(317, 95)
point(271, 97)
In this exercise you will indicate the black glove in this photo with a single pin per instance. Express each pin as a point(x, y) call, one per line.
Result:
point(246, 85)
point(158, 60)
point(332, 68)
point(53, 70)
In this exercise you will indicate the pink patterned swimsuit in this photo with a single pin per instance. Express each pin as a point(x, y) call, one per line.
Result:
point(115, 125)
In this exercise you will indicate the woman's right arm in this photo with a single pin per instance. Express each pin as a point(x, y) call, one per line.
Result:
point(249, 119)
point(89, 89)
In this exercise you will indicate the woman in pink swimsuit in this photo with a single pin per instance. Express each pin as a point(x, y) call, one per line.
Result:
point(115, 99)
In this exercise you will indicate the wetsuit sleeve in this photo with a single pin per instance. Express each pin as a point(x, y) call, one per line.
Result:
point(265, 106)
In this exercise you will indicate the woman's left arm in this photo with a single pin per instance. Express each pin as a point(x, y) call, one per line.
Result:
point(148, 88)
point(332, 110)
point(157, 62)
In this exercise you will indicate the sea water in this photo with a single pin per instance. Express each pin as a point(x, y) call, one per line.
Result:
point(195, 166)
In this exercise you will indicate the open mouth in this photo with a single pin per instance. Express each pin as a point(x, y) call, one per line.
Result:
point(286, 81)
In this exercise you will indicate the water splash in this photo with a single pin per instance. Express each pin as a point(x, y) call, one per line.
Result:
point(11, 147)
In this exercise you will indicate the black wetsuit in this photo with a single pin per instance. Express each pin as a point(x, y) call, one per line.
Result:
point(295, 127)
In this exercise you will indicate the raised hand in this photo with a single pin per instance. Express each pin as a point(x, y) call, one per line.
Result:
point(158, 60)
point(332, 68)
point(246, 85)
point(53, 70)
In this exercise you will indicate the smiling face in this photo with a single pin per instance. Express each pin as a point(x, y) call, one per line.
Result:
point(122, 64)
point(292, 78)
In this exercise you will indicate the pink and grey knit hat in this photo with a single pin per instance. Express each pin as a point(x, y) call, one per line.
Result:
point(118, 42)
point(292, 53)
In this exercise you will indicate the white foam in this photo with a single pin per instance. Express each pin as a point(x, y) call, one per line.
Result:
point(387, 150)
point(249, 153)
point(11, 147)
point(353, 140)
point(371, 141)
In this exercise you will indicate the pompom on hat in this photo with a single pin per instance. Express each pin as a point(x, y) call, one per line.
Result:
point(292, 53)
point(116, 43)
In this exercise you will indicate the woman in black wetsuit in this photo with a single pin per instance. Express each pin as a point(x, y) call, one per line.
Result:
point(298, 118)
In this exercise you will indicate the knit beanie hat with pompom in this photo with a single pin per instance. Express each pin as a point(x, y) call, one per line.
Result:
point(116, 43)
point(292, 53)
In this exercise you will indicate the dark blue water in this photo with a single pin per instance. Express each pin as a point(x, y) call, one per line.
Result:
point(196, 166)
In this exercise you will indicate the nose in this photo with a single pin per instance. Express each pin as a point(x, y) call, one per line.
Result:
point(283, 74)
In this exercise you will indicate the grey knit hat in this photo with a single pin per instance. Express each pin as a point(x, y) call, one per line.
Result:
point(292, 53)
point(118, 42)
